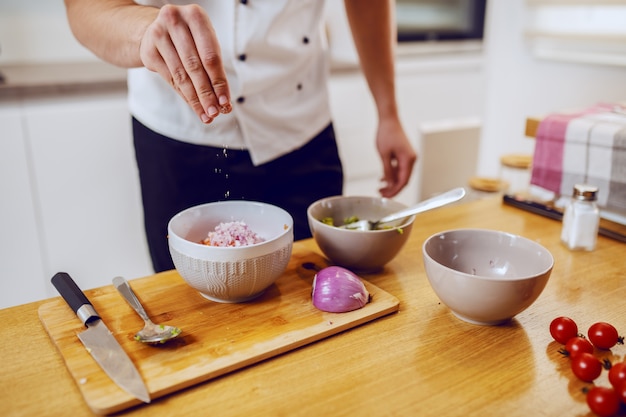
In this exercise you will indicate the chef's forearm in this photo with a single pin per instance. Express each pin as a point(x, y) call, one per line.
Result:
point(111, 29)
point(373, 29)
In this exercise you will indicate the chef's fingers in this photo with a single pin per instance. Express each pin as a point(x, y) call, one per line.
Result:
point(390, 185)
point(209, 52)
point(169, 66)
point(397, 155)
point(168, 47)
point(187, 71)
point(159, 54)
point(397, 173)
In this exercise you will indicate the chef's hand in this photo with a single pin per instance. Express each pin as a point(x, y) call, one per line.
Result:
point(181, 46)
point(397, 155)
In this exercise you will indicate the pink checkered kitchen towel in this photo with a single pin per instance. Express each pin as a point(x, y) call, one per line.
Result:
point(584, 147)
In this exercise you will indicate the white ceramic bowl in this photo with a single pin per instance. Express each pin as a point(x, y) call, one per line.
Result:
point(231, 274)
point(357, 249)
point(486, 276)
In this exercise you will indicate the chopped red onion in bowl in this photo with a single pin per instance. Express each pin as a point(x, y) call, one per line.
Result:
point(232, 234)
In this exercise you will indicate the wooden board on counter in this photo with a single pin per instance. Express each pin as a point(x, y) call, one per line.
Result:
point(532, 126)
point(217, 338)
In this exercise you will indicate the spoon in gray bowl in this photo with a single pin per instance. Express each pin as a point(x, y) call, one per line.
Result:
point(151, 333)
point(432, 203)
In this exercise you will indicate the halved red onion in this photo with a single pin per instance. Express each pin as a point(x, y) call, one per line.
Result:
point(338, 290)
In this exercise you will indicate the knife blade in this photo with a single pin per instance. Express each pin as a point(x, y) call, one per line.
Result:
point(99, 341)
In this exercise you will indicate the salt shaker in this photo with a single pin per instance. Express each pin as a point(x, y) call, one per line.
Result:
point(581, 219)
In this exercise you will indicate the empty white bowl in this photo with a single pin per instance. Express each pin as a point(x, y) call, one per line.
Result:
point(231, 274)
point(486, 276)
point(362, 250)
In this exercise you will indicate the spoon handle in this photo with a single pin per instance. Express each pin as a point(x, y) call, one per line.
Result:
point(129, 295)
point(434, 202)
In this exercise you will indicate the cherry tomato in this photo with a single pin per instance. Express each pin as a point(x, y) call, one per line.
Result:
point(563, 329)
point(603, 335)
point(603, 401)
point(586, 367)
point(617, 374)
point(621, 392)
point(577, 345)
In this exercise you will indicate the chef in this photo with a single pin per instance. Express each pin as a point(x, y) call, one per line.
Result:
point(229, 100)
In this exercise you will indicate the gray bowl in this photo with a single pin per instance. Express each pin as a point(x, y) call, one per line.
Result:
point(358, 249)
point(486, 276)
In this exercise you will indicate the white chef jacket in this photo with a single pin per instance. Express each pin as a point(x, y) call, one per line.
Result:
point(275, 57)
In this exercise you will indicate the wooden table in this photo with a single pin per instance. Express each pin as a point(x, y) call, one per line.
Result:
point(419, 361)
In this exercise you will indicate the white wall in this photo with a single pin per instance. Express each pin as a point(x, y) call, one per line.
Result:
point(37, 31)
point(519, 85)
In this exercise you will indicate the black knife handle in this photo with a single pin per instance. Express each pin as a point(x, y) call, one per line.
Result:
point(74, 297)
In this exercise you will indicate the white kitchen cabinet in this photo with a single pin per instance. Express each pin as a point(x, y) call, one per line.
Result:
point(87, 186)
point(76, 190)
point(21, 269)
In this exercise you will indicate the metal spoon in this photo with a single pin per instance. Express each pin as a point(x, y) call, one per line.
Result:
point(151, 333)
point(434, 202)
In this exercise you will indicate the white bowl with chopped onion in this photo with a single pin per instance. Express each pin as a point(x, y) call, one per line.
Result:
point(231, 251)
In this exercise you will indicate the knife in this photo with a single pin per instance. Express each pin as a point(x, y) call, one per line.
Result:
point(99, 341)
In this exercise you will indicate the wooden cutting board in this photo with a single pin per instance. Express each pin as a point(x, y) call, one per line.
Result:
point(217, 338)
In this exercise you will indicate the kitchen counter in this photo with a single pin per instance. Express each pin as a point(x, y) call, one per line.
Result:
point(421, 360)
point(19, 80)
